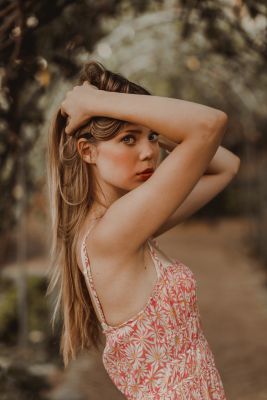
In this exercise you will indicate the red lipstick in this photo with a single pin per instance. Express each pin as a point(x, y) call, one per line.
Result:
point(145, 174)
point(147, 171)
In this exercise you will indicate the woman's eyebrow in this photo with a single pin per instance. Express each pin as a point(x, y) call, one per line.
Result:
point(132, 130)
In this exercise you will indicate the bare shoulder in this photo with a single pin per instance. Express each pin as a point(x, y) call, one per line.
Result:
point(84, 238)
point(101, 253)
point(99, 247)
point(121, 281)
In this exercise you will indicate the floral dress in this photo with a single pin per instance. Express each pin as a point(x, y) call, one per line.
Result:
point(161, 352)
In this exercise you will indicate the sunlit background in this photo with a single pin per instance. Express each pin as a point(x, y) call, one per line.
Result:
point(211, 52)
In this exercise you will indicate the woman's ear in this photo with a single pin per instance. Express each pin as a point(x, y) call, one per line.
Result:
point(86, 150)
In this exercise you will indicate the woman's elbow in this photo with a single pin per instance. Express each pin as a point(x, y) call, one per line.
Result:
point(215, 125)
point(236, 165)
point(232, 167)
point(220, 123)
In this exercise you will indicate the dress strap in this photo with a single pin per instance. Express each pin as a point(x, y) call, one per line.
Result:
point(89, 279)
point(154, 255)
point(155, 242)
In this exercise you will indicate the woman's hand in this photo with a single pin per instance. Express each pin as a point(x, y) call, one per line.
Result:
point(78, 106)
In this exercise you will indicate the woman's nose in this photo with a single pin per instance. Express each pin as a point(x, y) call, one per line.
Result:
point(147, 151)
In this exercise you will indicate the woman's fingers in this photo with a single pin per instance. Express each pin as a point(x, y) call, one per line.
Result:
point(87, 84)
point(76, 106)
point(62, 112)
point(63, 109)
point(71, 126)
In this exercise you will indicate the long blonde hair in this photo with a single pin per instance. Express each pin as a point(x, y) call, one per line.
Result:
point(71, 188)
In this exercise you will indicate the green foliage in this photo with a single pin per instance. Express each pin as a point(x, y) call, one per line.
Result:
point(39, 326)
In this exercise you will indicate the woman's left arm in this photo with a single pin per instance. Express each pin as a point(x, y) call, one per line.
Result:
point(221, 170)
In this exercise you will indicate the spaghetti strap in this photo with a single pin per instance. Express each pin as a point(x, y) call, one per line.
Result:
point(89, 279)
point(88, 275)
point(155, 258)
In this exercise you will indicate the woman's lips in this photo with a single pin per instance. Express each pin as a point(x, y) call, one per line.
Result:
point(145, 175)
point(146, 171)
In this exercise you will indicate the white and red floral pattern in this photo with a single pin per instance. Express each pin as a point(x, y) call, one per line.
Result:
point(161, 352)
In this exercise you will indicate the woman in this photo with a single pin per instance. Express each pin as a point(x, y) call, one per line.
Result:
point(110, 197)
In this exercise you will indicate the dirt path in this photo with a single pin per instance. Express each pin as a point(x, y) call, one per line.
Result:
point(233, 305)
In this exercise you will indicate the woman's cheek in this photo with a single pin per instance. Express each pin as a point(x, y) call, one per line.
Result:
point(117, 162)
point(124, 160)
point(120, 160)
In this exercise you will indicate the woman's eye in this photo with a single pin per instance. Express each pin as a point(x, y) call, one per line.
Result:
point(125, 139)
point(154, 136)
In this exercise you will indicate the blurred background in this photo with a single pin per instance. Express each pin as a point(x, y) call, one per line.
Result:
point(211, 52)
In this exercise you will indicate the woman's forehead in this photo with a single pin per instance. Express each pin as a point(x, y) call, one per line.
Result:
point(135, 127)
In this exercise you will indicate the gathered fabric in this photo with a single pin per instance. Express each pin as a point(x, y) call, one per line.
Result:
point(161, 352)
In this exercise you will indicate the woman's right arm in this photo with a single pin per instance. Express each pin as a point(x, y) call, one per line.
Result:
point(198, 129)
point(173, 118)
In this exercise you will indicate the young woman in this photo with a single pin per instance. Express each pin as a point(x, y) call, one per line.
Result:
point(110, 197)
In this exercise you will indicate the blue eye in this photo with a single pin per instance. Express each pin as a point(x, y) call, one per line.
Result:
point(127, 137)
point(156, 135)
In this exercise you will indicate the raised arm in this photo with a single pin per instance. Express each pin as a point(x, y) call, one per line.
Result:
point(219, 173)
point(198, 129)
point(173, 118)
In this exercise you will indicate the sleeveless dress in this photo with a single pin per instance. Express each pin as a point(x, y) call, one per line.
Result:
point(161, 353)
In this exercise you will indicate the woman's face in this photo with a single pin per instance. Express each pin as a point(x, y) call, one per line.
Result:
point(120, 160)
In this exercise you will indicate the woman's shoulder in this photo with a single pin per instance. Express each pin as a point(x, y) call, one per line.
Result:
point(92, 242)
point(90, 221)
point(83, 236)
point(94, 239)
